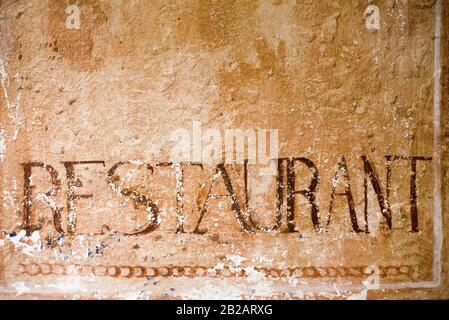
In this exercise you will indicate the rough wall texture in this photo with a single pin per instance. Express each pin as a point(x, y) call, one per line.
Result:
point(93, 205)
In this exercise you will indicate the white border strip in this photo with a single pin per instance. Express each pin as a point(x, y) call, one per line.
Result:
point(437, 223)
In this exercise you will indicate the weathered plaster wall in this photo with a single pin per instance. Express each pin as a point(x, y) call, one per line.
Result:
point(117, 88)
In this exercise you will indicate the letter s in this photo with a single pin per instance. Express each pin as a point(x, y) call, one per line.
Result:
point(152, 209)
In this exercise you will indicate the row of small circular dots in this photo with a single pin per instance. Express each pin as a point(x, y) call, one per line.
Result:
point(34, 269)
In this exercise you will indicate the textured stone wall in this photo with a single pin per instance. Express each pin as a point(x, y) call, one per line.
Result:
point(97, 96)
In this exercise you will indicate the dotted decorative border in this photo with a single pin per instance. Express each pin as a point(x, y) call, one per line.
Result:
point(124, 271)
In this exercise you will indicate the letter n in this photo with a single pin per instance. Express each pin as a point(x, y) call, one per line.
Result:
point(381, 197)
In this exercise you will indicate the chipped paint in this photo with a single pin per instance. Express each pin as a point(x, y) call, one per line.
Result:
point(94, 205)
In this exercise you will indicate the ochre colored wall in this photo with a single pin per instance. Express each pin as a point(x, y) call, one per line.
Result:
point(94, 204)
